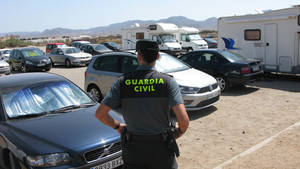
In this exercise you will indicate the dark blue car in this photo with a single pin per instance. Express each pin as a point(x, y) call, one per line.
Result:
point(48, 122)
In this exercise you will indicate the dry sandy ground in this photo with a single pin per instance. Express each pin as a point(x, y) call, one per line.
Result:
point(244, 117)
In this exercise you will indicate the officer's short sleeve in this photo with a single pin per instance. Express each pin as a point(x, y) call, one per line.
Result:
point(174, 93)
point(112, 98)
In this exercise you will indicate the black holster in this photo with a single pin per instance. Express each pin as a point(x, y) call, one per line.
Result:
point(169, 138)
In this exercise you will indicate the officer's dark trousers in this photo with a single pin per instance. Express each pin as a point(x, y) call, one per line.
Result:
point(147, 153)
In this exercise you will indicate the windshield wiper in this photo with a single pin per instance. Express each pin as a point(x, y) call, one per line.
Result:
point(64, 109)
point(28, 115)
point(71, 107)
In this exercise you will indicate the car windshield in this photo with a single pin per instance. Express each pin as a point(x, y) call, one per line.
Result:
point(232, 57)
point(62, 45)
point(167, 38)
point(6, 52)
point(71, 50)
point(167, 63)
point(113, 45)
point(43, 98)
point(32, 52)
point(100, 47)
point(194, 37)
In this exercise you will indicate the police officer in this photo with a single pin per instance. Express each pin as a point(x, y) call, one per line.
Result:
point(145, 98)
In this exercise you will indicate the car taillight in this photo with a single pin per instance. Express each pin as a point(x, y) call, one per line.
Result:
point(245, 70)
point(84, 74)
point(214, 44)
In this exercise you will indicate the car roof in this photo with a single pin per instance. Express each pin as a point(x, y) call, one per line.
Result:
point(66, 47)
point(55, 44)
point(29, 47)
point(27, 79)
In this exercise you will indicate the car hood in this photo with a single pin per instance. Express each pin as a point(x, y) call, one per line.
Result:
point(72, 131)
point(173, 45)
point(3, 63)
point(37, 59)
point(193, 78)
point(199, 42)
point(81, 54)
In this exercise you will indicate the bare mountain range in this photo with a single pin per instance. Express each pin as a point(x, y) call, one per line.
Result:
point(113, 29)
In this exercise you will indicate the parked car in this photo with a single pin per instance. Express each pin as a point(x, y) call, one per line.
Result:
point(227, 67)
point(78, 44)
point(211, 43)
point(51, 46)
point(4, 54)
point(69, 56)
point(29, 59)
point(112, 46)
point(95, 49)
point(199, 90)
point(4, 67)
point(46, 121)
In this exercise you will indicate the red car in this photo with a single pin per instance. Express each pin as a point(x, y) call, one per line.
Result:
point(51, 46)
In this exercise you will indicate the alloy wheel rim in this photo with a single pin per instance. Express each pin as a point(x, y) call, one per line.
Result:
point(95, 94)
point(221, 83)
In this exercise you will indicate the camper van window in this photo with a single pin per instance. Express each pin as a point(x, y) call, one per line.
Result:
point(183, 37)
point(252, 34)
point(167, 38)
point(140, 35)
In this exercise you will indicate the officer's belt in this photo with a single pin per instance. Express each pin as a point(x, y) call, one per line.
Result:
point(145, 138)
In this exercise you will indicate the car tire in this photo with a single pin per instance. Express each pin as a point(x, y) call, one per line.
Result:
point(11, 67)
point(14, 163)
point(222, 82)
point(23, 68)
point(68, 63)
point(95, 93)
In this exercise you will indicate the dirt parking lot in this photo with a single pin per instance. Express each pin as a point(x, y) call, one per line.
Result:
point(243, 119)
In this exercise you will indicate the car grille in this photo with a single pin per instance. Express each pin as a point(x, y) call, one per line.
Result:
point(208, 102)
point(102, 152)
point(208, 88)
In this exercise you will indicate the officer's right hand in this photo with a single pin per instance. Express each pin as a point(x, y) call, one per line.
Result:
point(122, 125)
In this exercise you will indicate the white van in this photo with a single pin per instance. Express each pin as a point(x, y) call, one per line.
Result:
point(272, 37)
point(190, 39)
point(163, 33)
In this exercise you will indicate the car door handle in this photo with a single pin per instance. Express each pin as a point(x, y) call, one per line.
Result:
point(267, 44)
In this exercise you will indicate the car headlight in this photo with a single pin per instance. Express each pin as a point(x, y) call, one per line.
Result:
point(49, 160)
point(189, 90)
point(28, 62)
point(48, 61)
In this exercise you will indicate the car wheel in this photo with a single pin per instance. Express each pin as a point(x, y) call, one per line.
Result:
point(11, 67)
point(189, 49)
point(222, 83)
point(14, 164)
point(95, 93)
point(68, 63)
point(23, 68)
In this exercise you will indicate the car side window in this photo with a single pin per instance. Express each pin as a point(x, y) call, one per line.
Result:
point(189, 59)
point(107, 63)
point(12, 54)
point(210, 58)
point(59, 52)
point(53, 51)
point(128, 64)
point(18, 54)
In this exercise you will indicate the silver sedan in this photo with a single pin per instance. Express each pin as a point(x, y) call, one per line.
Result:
point(199, 90)
point(69, 56)
point(4, 67)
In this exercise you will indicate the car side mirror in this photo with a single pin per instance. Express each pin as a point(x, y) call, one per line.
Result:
point(60, 53)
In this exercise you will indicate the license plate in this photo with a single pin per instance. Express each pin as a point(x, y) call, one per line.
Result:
point(255, 68)
point(111, 164)
point(41, 64)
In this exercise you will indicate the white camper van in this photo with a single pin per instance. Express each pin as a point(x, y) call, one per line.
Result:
point(190, 39)
point(163, 33)
point(272, 37)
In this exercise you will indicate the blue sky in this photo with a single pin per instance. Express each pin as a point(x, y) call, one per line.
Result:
point(38, 15)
